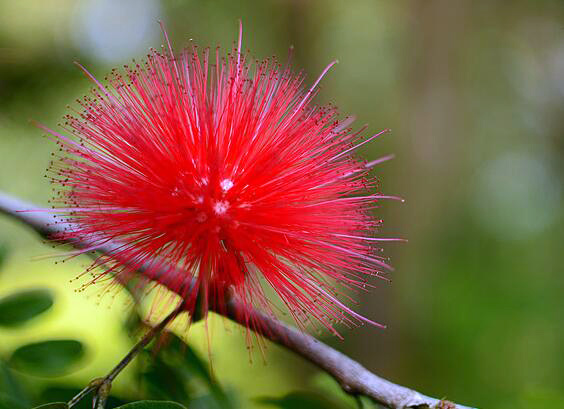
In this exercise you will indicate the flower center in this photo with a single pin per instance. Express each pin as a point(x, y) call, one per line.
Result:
point(220, 207)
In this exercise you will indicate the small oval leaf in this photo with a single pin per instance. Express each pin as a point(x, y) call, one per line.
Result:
point(16, 309)
point(152, 404)
point(54, 405)
point(47, 358)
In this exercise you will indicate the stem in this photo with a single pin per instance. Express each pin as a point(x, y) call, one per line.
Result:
point(143, 342)
point(91, 386)
point(103, 385)
point(352, 376)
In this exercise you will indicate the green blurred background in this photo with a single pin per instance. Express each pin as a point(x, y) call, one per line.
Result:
point(474, 94)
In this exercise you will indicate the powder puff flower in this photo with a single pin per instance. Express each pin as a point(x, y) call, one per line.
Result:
point(223, 175)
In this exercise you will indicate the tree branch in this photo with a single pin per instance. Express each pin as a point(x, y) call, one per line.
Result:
point(353, 377)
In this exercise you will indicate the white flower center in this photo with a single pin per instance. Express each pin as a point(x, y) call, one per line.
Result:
point(220, 207)
point(226, 184)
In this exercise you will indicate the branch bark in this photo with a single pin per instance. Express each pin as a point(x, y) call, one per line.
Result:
point(352, 376)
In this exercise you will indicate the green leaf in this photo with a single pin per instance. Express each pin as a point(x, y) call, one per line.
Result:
point(152, 404)
point(47, 358)
point(54, 405)
point(300, 400)
point(16, 309)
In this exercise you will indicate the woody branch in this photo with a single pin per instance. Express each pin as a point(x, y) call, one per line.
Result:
point(352, 376)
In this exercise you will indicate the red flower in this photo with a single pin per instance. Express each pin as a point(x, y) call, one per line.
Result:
point(224, 176)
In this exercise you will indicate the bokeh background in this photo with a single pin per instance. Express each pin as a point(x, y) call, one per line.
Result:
point(473, 91)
